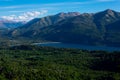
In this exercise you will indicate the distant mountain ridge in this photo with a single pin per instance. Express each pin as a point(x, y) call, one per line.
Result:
point(38, 23)
point(102, 28)
point(7, 24)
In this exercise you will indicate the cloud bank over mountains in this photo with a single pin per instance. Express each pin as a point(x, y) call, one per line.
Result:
point(26, 12)
point(25, 16)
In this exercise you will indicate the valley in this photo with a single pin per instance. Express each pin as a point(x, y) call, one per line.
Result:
point(59, 40)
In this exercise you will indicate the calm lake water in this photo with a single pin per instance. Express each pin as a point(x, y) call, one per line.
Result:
point(77, 46)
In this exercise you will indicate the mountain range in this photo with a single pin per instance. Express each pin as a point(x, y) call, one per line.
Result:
point(101, 28)
point(36, 24)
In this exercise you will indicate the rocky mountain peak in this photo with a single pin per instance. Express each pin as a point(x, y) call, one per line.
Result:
point(62, 14)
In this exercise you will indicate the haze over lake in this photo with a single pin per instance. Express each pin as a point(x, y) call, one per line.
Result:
point(77, 46)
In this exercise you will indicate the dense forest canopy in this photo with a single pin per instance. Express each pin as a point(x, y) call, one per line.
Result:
point(27, 62)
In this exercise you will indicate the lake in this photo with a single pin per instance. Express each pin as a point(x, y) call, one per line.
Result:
point(77, 46)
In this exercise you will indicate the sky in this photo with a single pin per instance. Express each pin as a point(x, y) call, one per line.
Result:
point(25, 10)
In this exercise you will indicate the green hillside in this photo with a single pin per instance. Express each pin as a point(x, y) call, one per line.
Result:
point(45, 63)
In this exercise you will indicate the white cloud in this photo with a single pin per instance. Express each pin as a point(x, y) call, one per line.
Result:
point(105, 0)
point(5, 0)
point(15, 11)
point(46, 5)
point(12, 7)
point(25, 16)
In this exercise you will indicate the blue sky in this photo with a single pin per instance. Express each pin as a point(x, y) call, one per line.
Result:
point(29, 9)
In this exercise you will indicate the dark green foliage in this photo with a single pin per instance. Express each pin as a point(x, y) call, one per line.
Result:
point(46, 63)
point(108, 61)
